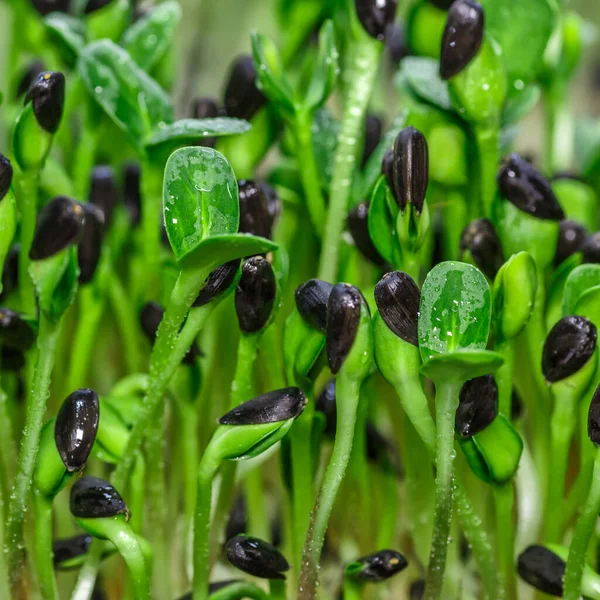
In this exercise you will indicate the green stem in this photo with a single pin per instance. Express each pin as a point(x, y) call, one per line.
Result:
point(4, 573)
point(348, 394)
point(446, 403)
point(454, 210)
point(127, 322)
point(581, 538)
point(577, 494)
point(353, 590)
point(562, 427)
point(126, 542)
point(258, 522)
point(504, 376)
point(488, 154)
point(243, 386)
point(91, 307)
point(27, 204)
point(277, 589)
point(85, 157)
point(309, 172)
point(46, 343)
point(8, 451)
point(504, 502)
point(362, 71)
point(151, 184)
point(43, 547)
point(137, 494)
point(202, 531)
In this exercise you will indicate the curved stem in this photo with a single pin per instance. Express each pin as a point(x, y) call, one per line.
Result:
point(362, 70)
point(446, 403)
point(202, 532)
point(562, 427)
point(309, 172)
point(504, 501)
point(46, 343)
point(581, 538)
point(348, 394)
point(27, 204)
point(43, 547)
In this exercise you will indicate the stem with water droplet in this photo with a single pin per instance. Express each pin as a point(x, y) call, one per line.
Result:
point(446, 403)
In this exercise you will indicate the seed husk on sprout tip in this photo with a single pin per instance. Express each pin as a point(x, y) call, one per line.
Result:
point(94, 5)
point(47, 95)
point(15, 331)
point(255, 294)
point(395, 40)
point(480, 238)
point(103, 191)
point(255, 216)
point(343, 317)
point(204, 108)
point(542, 569)
point(591, 249)
point(219, 280)
point(30, 73)
point(462, 37)
point(571, 238)
point(376, 15)
point(358, 225)
point(6, 175)
point(378, 566)
point(150, 319)
point(594, 418)
point(45, 7)
point(478, 405)
point(569, 345)
point(90, 246)
point(271, 407)
point(326, 404)
point(312, 298)
point(410, 169)
point(59, 225)
point(525, 187)
point(397, 297)
point(76, 428)
point(95, 498)
point(256, 557)
point(242, 98)
point(67, 549)
point(373, 132)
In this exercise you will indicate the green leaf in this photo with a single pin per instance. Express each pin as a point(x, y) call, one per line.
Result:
point(494, 453)
point(523, 30)
point(325, 130)
point(219, 249)
point(8, 226)
point(578, 200)
point(302, 346)
point(149, 38)
point(423, 78)
point(326, 70)
point(515, 287)
point(55, 282)
point(68, 33)
point(461, 365)
point(200, 198)
point(520, 103)
point(588, 305)
point(382, 225)
point(455, 310)
point(556, 288)
point(130, 97)
point(581, 279)
point(110, 21)
point(164, 140)
point(270, 74)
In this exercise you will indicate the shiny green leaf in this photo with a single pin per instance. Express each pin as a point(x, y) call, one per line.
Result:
point(461, 365)
point(520, 103)
point(130, 97)
point(149, 38)
point(581, 279)
point(382, 227)
point(8, 226)
point(455, 310)
point(325, 71)
point(68, 33)
point(423, 78)
point(588, 305)
point(302, 346)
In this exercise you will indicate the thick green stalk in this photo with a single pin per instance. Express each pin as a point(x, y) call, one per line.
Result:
point(4, 575)
point(309, 172)
point(353, 590)
point(277, 589)
point(488, 148)
point(27, 204)
point(562, 428)
point(348, 393)
point(581, 538)
point(362, 70)
point(258, 521)
point(504, 502)
point(202, 532)
point(36, 408)
point(504, 376)
point(137, 494)
point(43, 547)
point(243, 386)
point(446, 402)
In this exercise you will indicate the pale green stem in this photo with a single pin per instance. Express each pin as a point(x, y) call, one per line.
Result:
point(446, 403)
point(43, 547)
point(505, 526)
point(27, 204)
point(488, 147)
point(362, 71)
